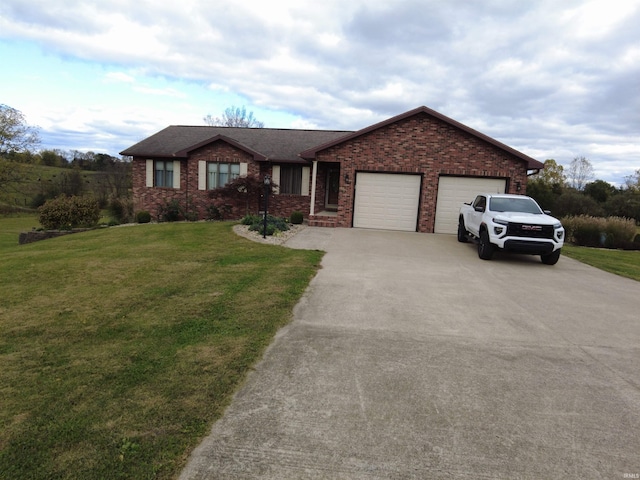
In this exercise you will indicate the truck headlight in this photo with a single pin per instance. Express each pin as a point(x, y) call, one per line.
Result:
point(499, 229)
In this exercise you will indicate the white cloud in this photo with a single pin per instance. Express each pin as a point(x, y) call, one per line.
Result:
point(555, 78)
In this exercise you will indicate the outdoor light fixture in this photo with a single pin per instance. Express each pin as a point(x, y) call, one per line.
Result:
point(518, 186)
point(346, 178)
point(267, 189)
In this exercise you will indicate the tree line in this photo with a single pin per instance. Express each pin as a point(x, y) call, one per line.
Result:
point(23, 184)
point(574, 191)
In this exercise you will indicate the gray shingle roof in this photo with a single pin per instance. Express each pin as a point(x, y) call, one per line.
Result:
point(270, 143)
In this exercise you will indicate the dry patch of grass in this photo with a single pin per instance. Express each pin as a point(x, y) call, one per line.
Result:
point(121, 346)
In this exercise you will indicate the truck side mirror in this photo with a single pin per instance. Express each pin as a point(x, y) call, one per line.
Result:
point(478, 208)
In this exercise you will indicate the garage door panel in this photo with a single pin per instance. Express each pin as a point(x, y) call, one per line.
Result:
point(454, 191)
point(386, 201)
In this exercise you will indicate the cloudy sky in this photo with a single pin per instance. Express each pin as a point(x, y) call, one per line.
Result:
point(551, 78)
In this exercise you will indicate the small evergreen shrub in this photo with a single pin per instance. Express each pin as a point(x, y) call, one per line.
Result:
point(143, 217)
point(64, 213)
point(296, 218)
point(274, 224)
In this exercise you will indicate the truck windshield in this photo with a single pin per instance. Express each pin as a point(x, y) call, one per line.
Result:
point(524, 205)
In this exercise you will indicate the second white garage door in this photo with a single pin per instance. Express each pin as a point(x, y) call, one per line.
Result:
point(454, 191)
point(386, 201)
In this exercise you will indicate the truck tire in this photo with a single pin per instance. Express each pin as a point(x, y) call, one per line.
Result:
point(463, 235)
point(552, 258)
point(485, 248)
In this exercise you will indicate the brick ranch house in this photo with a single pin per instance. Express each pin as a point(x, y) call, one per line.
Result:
point(410, 172)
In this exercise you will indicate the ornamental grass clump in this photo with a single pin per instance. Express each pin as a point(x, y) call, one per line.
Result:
point(610, 232)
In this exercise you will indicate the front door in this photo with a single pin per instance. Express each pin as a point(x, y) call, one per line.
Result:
point(333, 187)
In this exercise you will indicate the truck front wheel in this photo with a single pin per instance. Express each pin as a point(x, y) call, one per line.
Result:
point(485, 248)
point(463, 235)
point(552, 258)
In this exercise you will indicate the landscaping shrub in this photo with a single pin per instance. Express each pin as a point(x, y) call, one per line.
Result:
point(296, 218)
point(143, 217)
point(250, 219)
point(213, 213)
point(274, 224)
point(69, 212)
point(170, 211)
point(121, 209)
point(611, 232)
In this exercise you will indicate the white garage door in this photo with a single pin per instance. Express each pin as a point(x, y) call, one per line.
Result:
point(454, 191)
point(386, 201)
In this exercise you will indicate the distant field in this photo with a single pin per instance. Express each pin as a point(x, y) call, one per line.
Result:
point(35, 179)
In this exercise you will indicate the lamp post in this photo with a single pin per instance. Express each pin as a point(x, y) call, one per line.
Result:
point(267, 189)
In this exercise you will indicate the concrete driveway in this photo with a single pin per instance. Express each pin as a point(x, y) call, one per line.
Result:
point(409, 357)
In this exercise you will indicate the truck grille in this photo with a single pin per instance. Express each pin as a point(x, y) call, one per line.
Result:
point(529, 230)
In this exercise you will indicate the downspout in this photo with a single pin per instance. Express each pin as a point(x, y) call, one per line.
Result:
point(314, 174)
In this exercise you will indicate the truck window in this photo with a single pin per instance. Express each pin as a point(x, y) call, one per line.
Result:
point(480, 201)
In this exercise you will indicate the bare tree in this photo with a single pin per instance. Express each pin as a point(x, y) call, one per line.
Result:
point(15, 134)
point(579, 173)
point(632, 182)
point(234, 117)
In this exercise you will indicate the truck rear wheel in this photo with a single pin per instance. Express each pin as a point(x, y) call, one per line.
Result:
point(485, 248)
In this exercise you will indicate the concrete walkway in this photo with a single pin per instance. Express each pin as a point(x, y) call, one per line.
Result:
point(408, 357)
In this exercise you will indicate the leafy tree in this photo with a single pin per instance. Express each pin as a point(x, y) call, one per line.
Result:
point(625, 204)
point(542, 193)
point(234, 117)
point(552, 174)
point(600, 190)
point(53, 158)
point(574, 203)
point(547, 185)
point(580, 171)
point(15, 134)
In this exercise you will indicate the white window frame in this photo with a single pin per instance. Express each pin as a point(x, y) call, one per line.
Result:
point(205, 171)
point(151, 169)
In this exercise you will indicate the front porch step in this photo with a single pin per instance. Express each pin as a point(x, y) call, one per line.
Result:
point(323, 220)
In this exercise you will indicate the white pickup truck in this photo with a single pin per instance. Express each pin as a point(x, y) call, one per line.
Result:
point(513, 223)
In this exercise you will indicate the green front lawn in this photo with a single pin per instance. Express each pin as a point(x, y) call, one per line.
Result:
point(119, 347)
point(620, 262)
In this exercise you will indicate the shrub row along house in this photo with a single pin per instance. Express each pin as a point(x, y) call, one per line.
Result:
point(410, 172)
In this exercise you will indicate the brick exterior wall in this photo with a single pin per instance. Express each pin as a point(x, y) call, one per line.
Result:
point(420, 144)
point(425, 145)
point(197, 201)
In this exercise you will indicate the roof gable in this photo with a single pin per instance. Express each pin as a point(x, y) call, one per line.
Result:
point(220, 138)
point(532, 163)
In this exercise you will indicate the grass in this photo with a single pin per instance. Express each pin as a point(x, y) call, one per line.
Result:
point(620, 262)
point(120, 347)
